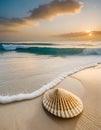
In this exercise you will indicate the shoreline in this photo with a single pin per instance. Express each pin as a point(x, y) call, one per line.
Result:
point(44, 88)
point(30, 114)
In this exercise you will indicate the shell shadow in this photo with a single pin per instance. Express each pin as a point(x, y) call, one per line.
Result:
point(56, 118)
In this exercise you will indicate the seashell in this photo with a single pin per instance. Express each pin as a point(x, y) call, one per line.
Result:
point(62, 103)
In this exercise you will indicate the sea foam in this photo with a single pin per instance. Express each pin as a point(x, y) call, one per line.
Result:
point(53, 83)
point(10, 47)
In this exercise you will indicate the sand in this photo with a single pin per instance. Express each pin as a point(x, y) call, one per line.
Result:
point(30, 114)
point(91, 80)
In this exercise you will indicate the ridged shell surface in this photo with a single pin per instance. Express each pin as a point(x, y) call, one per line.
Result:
point(62, 103)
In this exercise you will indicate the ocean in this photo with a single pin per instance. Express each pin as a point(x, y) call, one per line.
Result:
point(29, 69)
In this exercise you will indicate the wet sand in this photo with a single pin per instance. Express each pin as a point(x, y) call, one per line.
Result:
point(30, 114)
point(91, 80)
point(25, 73)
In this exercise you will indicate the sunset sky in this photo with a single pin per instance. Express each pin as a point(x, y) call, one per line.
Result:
point(46, 20)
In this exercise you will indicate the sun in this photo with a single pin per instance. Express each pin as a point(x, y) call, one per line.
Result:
point(89, 32)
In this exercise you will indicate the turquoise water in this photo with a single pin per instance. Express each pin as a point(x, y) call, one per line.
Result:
point(54, 49)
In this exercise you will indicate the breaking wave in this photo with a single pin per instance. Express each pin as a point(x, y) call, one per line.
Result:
point(53, 51)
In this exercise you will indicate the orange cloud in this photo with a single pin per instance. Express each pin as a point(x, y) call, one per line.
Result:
point(93, 35)
point(46, 11)
point(8, 31)
point(15, 22)
point(56, 7)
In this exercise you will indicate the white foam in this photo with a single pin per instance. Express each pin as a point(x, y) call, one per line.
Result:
point(20, 97)
point(92, 51)
point(10, 47)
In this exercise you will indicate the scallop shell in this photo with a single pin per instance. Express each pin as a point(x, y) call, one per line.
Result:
point(62, 103)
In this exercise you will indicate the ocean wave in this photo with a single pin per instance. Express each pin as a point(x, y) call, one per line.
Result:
point(53, 51)
point(92, 51)
point(27, 96)
point(11, 47)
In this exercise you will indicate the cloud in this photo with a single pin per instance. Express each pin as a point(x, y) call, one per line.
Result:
point(79, 34)
point(15, 21)
point(56, 7)
point(97, 33)
point(46, 11)
point(75, 34)
point(6, 21)
point(93, 35)
point(8, 30)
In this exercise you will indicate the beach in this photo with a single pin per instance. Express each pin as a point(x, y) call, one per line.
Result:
point(30, 114)
point(50, 65)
